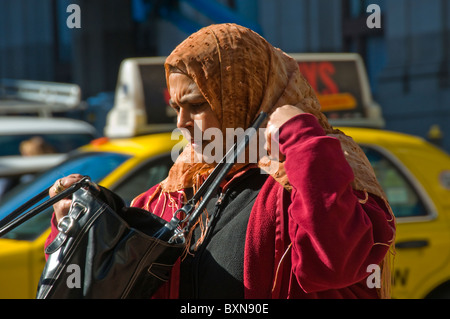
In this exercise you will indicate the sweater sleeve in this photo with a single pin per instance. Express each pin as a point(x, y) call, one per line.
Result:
point(334, 237)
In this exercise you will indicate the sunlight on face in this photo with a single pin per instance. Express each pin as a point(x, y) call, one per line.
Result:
point(194, 114)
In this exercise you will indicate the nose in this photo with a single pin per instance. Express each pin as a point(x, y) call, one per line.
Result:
point(184, 119)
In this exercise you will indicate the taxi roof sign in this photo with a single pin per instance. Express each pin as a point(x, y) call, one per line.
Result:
point(342, 87)
point(339, 79)
point(141, 99)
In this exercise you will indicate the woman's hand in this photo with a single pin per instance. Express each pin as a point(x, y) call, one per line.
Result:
point(62, 207)
point(280, 116)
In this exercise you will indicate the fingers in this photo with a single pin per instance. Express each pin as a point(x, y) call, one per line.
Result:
point(283, 114)
point(280, 116)
point(272, 145)
point(58, 187)
point(62, 207)
point(64, 183)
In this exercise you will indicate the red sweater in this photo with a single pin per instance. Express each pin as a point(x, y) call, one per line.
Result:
point(318, 240)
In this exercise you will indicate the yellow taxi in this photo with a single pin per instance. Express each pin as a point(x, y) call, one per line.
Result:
point(416, 178)
point(126, 166)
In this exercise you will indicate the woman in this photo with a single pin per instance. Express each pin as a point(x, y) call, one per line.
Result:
point(310, 228)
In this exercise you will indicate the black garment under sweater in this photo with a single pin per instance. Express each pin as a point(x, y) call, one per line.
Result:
point(215, 270)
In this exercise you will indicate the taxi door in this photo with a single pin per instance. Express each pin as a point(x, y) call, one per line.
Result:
point(423, 236)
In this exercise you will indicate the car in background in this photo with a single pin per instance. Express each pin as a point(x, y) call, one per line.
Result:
point(127, 166)
point(59, 135)
point(27, 115)
point(415, 176)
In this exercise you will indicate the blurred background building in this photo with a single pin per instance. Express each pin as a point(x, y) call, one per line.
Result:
point(408, 58)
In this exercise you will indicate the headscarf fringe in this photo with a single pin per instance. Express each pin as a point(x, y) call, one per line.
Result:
point(387, 280)
point(387, 264)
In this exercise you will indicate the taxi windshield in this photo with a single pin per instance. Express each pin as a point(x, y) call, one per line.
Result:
point(95, 165)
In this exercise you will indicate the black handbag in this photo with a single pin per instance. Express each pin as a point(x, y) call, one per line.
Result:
point(105, 249)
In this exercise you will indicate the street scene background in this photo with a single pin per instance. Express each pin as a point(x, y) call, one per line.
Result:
point(404, 46)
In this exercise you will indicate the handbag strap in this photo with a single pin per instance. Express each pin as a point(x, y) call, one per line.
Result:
point(208, 187)
point(18, 217)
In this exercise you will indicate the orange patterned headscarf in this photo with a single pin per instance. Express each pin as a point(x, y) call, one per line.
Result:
point(240, 74)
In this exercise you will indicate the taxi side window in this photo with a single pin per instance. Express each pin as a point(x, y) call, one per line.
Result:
point(145, 176)
point(403, 198)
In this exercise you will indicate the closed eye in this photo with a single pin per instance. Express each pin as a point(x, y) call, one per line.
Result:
point(174, 105)
point(198, 105)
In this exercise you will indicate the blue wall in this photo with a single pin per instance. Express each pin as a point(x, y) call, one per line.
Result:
point(414, 87)
point(409, 65)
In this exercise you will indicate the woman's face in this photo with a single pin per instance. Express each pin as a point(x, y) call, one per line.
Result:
point(194, 114)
